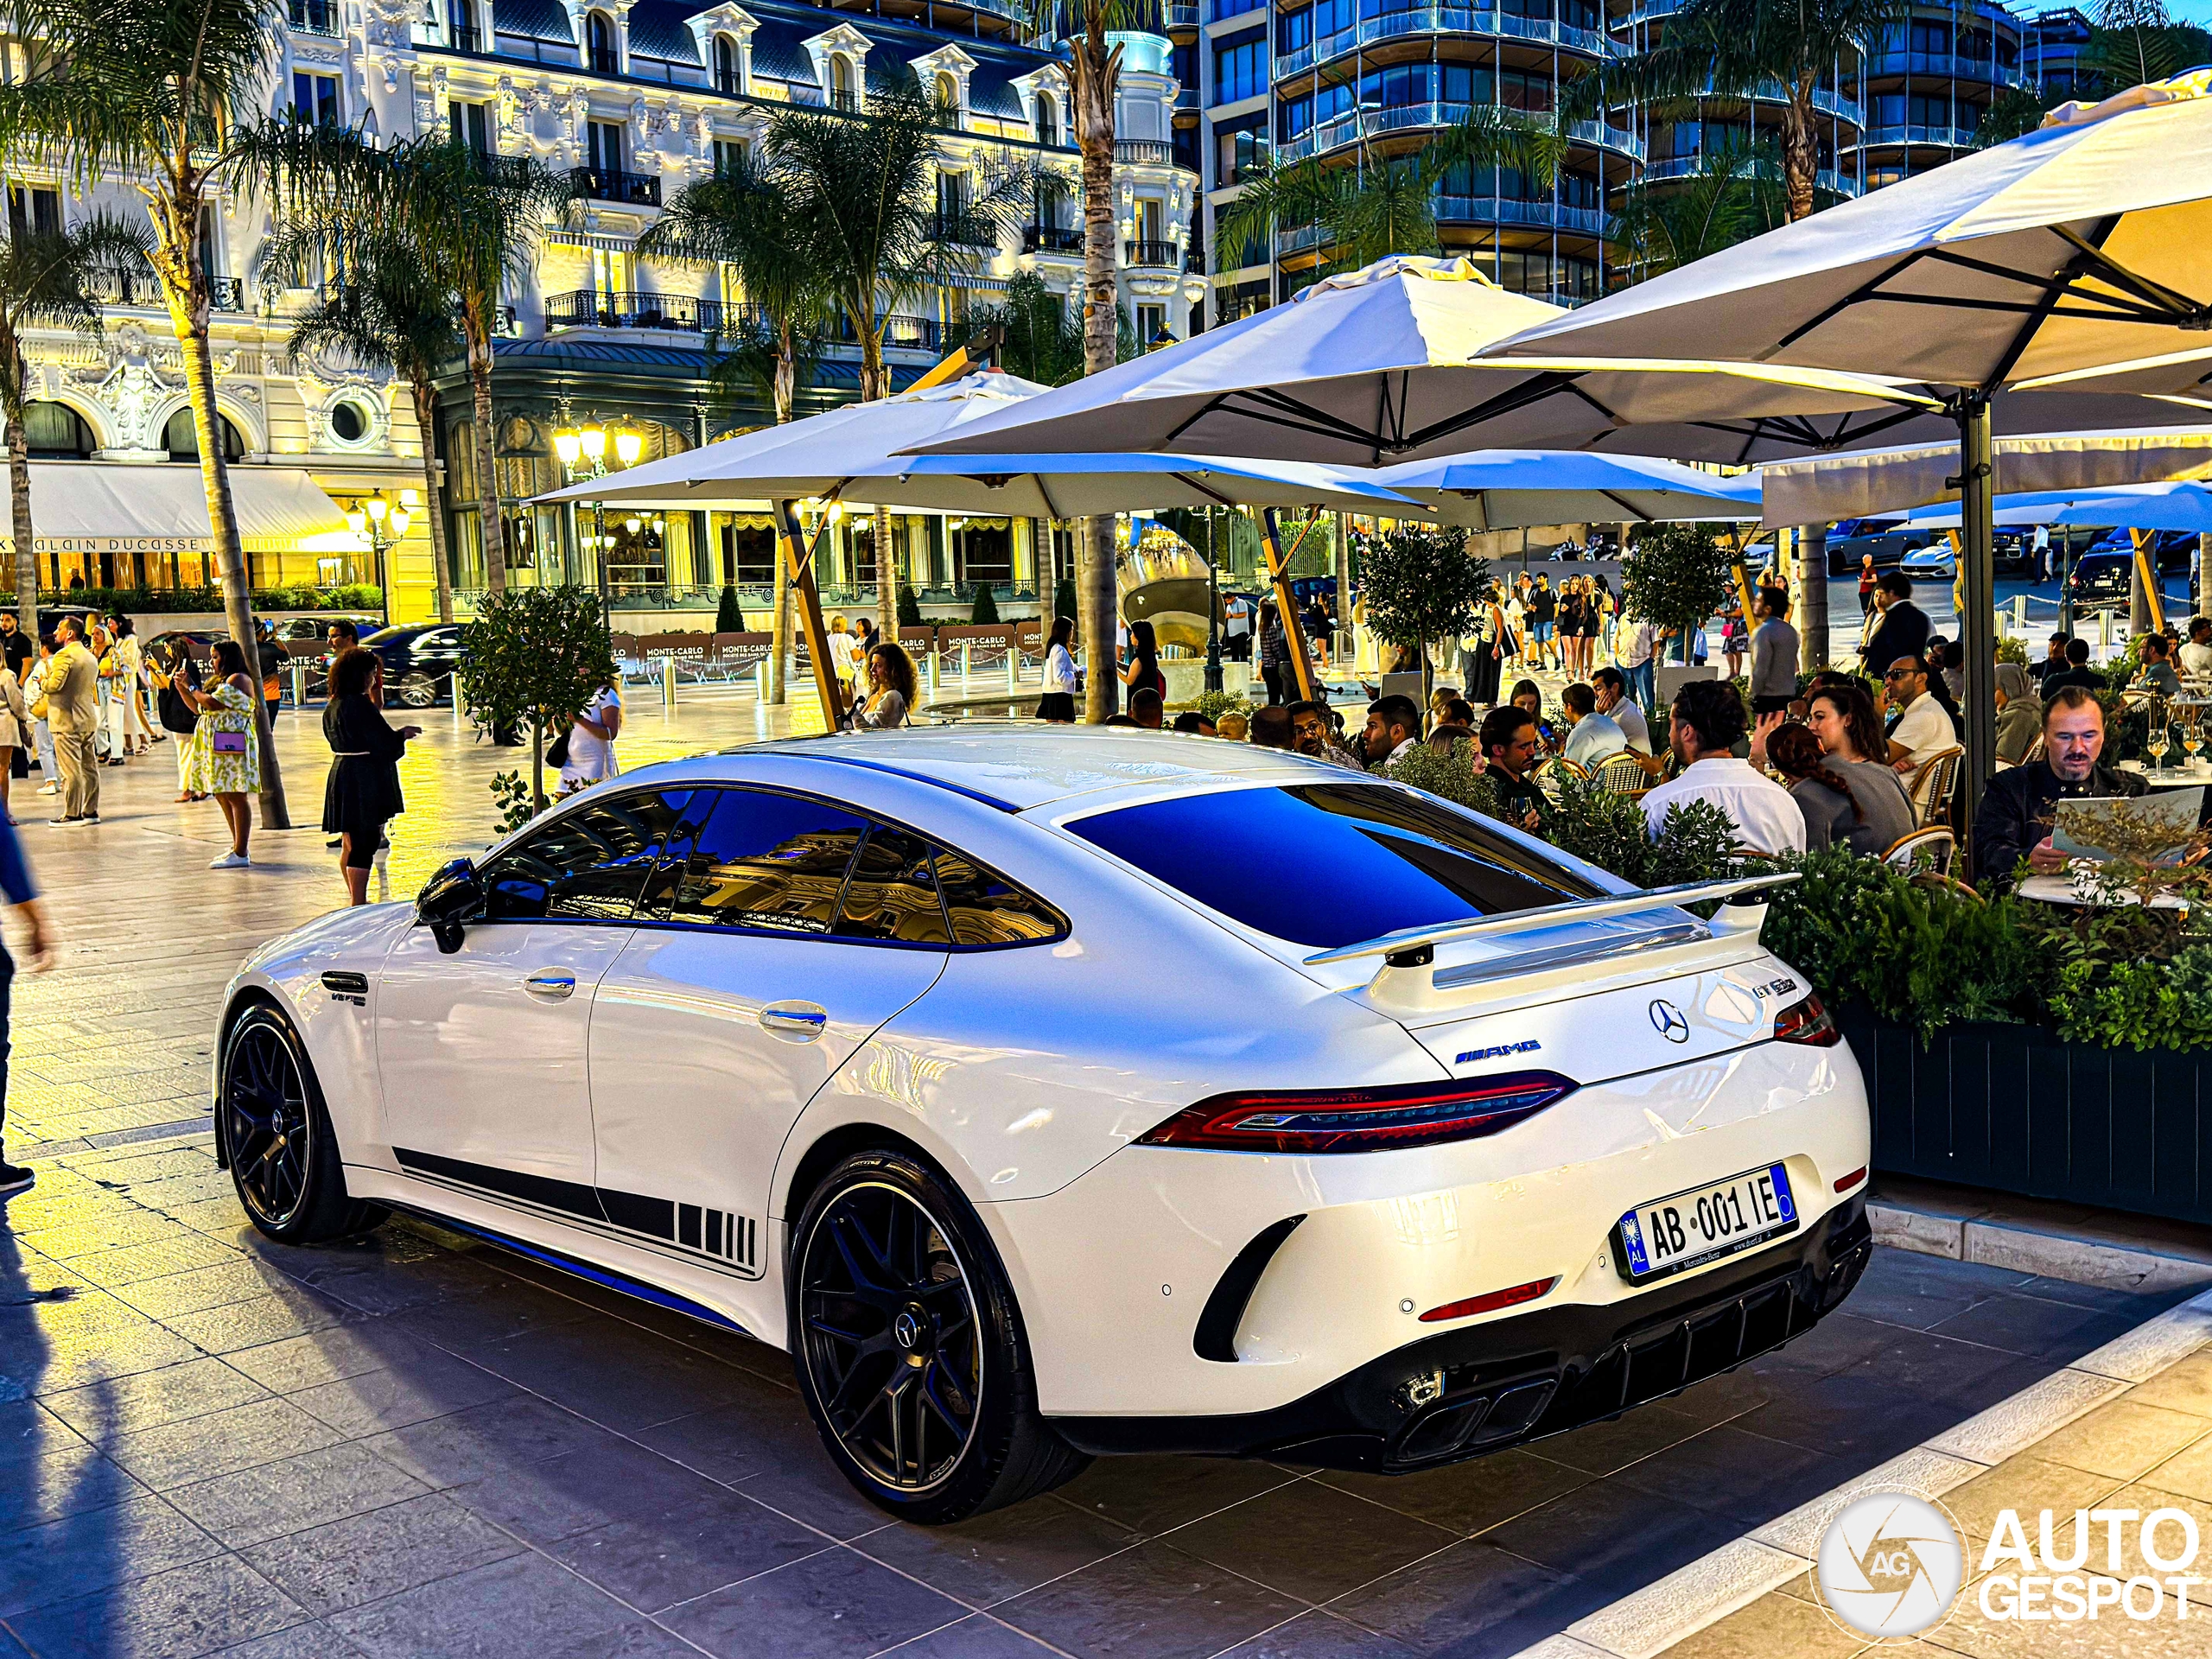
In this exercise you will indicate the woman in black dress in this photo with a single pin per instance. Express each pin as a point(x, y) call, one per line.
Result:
point(363, 791)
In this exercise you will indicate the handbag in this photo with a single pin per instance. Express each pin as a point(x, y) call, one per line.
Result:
point(226, 742)
point(558, 754)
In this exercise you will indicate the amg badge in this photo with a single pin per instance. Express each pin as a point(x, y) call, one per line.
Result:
point(1495, 1049)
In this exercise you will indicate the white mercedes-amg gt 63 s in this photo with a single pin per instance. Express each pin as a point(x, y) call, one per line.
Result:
point(1050, 1093)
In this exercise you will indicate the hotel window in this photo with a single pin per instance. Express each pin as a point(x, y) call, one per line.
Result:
point(725, 78)
point(1240, 67)
point(471, 124)
point(604, 142)
point(729, 156)
point(314, 99)
point(34, 209)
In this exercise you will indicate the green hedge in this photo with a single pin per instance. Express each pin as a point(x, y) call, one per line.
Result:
point(169, 601)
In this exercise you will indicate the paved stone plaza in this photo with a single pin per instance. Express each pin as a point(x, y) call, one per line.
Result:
point(416, 1446)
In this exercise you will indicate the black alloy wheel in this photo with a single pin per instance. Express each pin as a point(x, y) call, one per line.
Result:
point(417, 690)
point(909, 1346)
point(276, 1136)
point(892, 1337)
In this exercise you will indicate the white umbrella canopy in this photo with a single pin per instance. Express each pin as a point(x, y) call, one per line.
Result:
point(1373, 367)
point(2174, 505)
point(851, 453)
point(2086, 243)
point(1515, 489)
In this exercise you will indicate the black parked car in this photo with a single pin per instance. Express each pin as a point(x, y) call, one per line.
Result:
point(1887, 539)
point(2101, 575)
point(418, 662)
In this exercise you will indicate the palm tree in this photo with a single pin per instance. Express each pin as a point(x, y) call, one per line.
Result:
point(868, 189)
point(741, 218)
point(166, 93)
point(1734, 193)
point(1736, 48)
point(46, 281)
point(384, 309)
point(1041, 341)
point(1386, 204)
point(2136, 42)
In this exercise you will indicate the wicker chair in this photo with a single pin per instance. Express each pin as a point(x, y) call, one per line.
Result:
point(1624, 774)
point(1931, 787)
point(1550, 772)
point(1931, 849)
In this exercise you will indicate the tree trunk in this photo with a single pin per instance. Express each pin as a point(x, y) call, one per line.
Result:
point(886, 581)
point(1813, 598)
point(1800, 150)
point(189, 316)
point(537, 763)
point(492, 533)
point(779, 636)
point(1097, 70)
point(19, 494)
point(2204, 594)
point(2138, 595)
point(875, 380)
point(426, 416)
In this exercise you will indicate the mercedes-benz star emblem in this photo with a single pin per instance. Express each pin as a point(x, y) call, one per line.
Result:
point(1669, 1021)
point(907, 1329)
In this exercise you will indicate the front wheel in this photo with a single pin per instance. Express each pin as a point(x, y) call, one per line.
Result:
point(417, 690)
point(283, 1156)
point(909, 1347)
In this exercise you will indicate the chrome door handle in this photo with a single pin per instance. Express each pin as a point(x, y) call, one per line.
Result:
point(798, 1022)
point(550, 984)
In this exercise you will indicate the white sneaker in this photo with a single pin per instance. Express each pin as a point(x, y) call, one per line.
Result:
point(49, 789)
point(231, 861)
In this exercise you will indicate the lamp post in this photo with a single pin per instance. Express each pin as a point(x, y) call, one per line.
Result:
point(1213, 610)
point(384, 524)
point(582, 451)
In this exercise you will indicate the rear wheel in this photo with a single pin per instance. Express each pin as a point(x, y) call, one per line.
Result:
point(417, 690)
point(909, 1346)
point(283, 1156)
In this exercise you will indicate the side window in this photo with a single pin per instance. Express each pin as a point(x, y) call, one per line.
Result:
point(985, 908)
point(589, 865)
point(893, 892)
point(774, 863)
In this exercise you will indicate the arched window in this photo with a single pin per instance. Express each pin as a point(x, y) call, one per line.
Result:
point(599, 34)
point(948, 94)
point(725, 64)
point(1048, 119)
point(56, 432)
point(182, 438)
point(841, 82)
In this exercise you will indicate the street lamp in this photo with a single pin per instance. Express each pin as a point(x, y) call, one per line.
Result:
point(383, 524)
point(582, 451)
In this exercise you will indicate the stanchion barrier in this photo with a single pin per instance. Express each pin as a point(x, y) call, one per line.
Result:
point(299, 682)
point(1014, 664)
point(668, 682)
point(965, 662)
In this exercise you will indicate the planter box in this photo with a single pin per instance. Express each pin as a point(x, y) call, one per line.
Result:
point(2014, 1109)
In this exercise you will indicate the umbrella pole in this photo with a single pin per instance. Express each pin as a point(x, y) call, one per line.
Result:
point(800, 560)
point(1294, 633)
point(1978, 586)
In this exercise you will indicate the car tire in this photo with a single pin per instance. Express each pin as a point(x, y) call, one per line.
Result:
point(417, 690)
point(909, 1346)
point(276, 1136)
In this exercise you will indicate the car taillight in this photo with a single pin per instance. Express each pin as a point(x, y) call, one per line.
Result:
point(1360, 1120)
point(1491, 1303)
point(1808, 1022)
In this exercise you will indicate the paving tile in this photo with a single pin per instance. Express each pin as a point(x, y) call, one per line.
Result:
point(177, 1454)
point(1310, 1541)
point(198, 1289)
point(93, 1548)
point(2122, 1438)
point(314, 1640)
point(999, 1555)
point(413, 1390)
point(272, 1499)
point(608, 1480)
point(365, 1557)
point(63, 1483)
point(1741, 1476)
point(2116, 1552)
point(1850, 1414)
point(976, 1636)
point(182, 1613)
point(524, 1607)
point(1772, 1625)
point(1466, 1498)
point(1151, 1495)
point(510, 1433)
point(133, 1264)
point(2186, 1386)
point(329, 1356)
point(2038, 1327)
point(173, 1394)
point(1601, 1448)
point(767, 1428)
point(265, 1318)
point(1605, 1530)
point(1320, 1635)
point(658, 1560)
point(29, 1431)
point(2026, 1485)
point(1476, 1598)
point(626, 1380)
point(825, 1606)
point(1152, 1600)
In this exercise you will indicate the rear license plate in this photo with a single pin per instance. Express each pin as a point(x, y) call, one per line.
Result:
point(1672, 1235)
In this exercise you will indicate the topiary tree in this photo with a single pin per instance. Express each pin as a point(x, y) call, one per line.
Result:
point(909, 608)
point(986, 611)
point(1675, 577)
point(1064, 600)
point(1422, 584)
point(539, 654)
point(728, 617)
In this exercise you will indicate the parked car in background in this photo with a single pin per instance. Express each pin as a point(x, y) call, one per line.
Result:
point(1888, 539)
point(2172, 551)
point(2100, 575)
point(192, 642)
point(1930, 561)
point(418, 662)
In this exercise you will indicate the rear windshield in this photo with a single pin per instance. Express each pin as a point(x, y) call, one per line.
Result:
point(1331, 864)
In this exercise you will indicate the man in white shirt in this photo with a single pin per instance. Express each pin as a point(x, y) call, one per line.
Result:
point(1236, 627)
point(2043, 553)
point(1925, 728)
point(1614, 701)
point(1592, 737)
point(2196, 649)
point(1638, 648)
point(591, 742)
point(1707, 722)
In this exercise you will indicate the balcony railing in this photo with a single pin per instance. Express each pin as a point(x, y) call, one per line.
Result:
point(1914, 133)
point(462, 37)
point(964, 230)
point(604, 184)
point(1543, 215)
point(1143, 152)
point(1051, 238)
point(1152, 256)
point(587, 308)
point(1181, 14)
point(603, 60)
point(140, 287)
point(316, 17)
point(1442, 17)
point(1950, 65)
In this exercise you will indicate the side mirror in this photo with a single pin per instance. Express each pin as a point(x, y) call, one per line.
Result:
point(450, 898)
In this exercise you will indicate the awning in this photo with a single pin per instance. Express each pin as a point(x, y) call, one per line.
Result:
point(93, 506)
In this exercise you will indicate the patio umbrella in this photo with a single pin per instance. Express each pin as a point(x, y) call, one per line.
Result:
point(1512, 489)
point(1375, 366)
point(2082, 246)
point(2173, 506)
point(849, 455)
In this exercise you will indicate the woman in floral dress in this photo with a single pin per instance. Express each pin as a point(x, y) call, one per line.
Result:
point(226, 753)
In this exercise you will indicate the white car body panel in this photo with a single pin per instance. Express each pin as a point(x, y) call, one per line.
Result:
point(1026, 1072)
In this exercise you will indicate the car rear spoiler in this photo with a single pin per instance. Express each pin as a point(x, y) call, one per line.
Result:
point(1411, 947)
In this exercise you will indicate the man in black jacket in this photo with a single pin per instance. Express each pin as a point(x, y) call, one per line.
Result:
point(1902, 631)
point(2021, 802)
